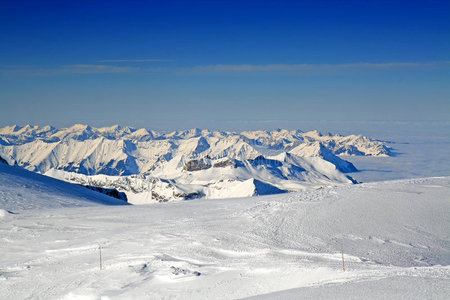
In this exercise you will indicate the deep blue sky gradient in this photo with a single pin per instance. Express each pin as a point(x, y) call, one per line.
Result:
point(176, 64)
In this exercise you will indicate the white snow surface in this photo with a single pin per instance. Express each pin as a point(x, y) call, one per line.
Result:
point(395, 238)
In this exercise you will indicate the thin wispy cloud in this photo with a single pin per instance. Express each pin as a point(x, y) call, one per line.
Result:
point(66, 70)
point(243, 68)
point(93, 68)
point(303, 69)
point(145, 60)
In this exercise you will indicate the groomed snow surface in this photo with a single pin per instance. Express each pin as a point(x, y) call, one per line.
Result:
point(395, 238)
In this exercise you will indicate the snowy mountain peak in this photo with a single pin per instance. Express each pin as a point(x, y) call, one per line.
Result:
point(9, 129)
point(310, 149)
point(79, 127)
point(110, 130)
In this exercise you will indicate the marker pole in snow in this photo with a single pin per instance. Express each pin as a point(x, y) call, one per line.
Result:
point(342, 252)
point(100, 256)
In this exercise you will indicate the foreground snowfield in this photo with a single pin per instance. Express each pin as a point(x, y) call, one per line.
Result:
point(395, 236)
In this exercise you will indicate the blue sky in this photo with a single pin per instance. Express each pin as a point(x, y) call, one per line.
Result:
point(223, 64)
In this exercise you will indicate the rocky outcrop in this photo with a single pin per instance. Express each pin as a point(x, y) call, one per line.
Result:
point(196, 165)
point(110, 192)
point(225, 163)
point(2, 160)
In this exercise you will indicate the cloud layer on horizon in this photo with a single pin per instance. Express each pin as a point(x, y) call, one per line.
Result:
point(105, 68)
point(221, 68)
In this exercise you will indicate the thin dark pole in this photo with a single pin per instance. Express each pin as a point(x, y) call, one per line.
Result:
point(100, 255)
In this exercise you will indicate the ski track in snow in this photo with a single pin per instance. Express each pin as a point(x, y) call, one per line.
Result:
point(233, 248)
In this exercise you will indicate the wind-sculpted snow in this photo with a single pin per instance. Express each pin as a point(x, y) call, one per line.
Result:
point(394, 237)
point(187, 164)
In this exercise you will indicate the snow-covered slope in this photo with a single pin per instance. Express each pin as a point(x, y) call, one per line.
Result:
point(186, 164)
point(21, 189)
point(394, 236)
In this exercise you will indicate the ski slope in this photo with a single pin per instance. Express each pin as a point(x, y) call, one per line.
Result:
point(395, 238)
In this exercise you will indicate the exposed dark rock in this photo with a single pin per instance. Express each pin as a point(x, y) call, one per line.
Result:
point(225, 163)
point(196, 165)
point(158, 197)
point(181, 271)
point(2, 160)
point(194, 195)
point(110, 192)
point(261, 160)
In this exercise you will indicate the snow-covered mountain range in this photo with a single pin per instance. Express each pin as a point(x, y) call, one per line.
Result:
point(152, 167)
